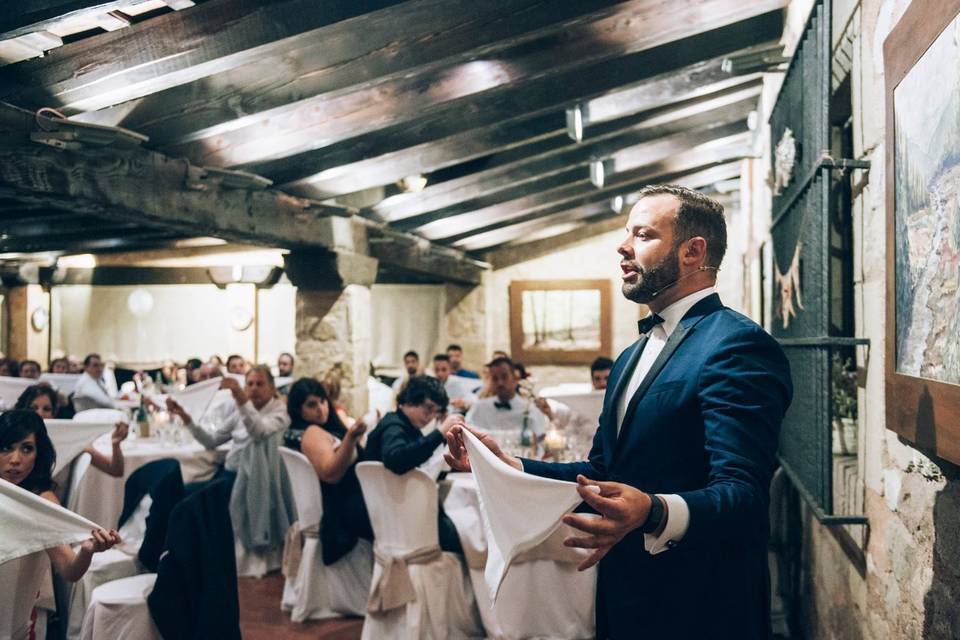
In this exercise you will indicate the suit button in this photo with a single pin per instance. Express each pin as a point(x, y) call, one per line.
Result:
point(671, 544)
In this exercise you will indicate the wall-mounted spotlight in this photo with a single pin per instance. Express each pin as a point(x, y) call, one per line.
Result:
point(413, 184)
point(575, 118)
point(597, 173)
point(617, 204)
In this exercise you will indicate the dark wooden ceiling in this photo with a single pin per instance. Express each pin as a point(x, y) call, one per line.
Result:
point(340, 100)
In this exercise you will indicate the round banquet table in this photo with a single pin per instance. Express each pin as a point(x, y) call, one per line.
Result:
point(99, 497)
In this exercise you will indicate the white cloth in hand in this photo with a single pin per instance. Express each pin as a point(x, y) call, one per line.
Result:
point(30, 523)
point(519, 510)
point(70, 437)
point(196, 398)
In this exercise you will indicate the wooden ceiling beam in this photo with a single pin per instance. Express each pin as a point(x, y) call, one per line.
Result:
point(571, 182)
point(166, 51)
point(540, 103)
point(510, 254)
point(667, 171)
point(414, 37)
point(342, 172)
point(514, 169)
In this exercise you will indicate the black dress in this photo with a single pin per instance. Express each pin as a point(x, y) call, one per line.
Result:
point(345, 518)
point(401, 447)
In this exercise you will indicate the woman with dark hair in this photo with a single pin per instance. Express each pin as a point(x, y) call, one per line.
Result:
point(333, 449)
point(400, 445)
point(27, 459)
point(42, 400)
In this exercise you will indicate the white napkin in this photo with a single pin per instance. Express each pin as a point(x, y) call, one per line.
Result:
point(196, 398)
point(62, 382)
point(30, 523)
point(11, 388)
point(519, 510)
point(239, 377)
point(69, 437)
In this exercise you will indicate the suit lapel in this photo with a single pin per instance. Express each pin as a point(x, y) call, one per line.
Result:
point(612, 401)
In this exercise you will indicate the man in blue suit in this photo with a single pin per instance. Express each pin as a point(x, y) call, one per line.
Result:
point(686, 444)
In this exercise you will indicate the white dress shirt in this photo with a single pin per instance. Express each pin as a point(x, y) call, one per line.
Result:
point(243, 424)
point(678, 513)
point(91, 394)
point(486, 415)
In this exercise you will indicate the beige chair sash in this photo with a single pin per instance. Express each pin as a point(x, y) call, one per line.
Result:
point(395, 587)
point(293, 548)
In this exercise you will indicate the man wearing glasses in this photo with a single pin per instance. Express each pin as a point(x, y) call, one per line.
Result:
point(400, 445)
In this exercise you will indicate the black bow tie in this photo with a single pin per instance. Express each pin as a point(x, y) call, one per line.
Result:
point(501, 405)
point(647, 324)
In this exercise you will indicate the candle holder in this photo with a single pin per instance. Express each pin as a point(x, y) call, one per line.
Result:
point(555, 443)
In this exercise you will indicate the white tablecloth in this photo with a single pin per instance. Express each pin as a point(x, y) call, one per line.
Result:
point(99, 497)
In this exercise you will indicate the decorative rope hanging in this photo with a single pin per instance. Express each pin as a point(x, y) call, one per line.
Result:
point(789, 284)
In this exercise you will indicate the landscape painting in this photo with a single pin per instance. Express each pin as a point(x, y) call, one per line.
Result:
point(927, 212)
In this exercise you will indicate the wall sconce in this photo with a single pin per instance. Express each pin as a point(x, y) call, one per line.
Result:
point(597, 173)
point(575, 123)
point(412, 184)
point(617, 204)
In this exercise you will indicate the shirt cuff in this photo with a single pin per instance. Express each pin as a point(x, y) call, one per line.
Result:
point(678, 518)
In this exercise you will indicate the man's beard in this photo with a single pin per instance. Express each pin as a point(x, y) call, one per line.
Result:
point(650, 282)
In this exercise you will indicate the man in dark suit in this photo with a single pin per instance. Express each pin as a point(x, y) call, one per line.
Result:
point(686, 444)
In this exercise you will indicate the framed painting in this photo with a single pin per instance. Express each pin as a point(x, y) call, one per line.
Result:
point(922, 67)
point(560, 321)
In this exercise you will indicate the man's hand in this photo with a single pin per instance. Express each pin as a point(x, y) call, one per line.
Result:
point(544, 407)
point(356, 430)
point(239, 396)
point(623, 508)
point(174, 407)
point(457, 457)
point(450, 422)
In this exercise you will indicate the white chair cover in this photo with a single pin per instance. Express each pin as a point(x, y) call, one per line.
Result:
point(403, 512)
point(321, 591)
point(10, 390)
point(118, 611)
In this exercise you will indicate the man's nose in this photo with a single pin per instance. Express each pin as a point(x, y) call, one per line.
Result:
point(626, 248)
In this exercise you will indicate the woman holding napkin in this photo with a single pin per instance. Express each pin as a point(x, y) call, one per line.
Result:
point(27, 459)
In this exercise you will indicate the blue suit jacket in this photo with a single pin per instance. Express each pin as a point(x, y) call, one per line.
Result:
point(703, 424)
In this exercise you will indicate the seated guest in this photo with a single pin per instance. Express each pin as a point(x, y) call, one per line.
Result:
point(168, 372)
point(562, 416)
point(30, 369)
point(43, 401)
point(505, 409)
point(59, 365)
point(217, 360)
point(9, 368)
point(600, 372)
point(455, 353)
point(90, 391)
point(331, 382)
point(285, 364)
point(460, 393)
point(411, 367)
point(27, 460)
point(74, 364)
point(193, 367)
point(398, 443)
point(333, 450)
point(236, 364)
point(255, 414)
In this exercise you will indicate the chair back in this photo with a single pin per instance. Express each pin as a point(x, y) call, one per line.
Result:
point(100, 415)
point(403, 509)
point(306, 487)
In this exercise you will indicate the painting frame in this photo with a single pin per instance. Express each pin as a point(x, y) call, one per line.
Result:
point(559, 356)
point(922, 411)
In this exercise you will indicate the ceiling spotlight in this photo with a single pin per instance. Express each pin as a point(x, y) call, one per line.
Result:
point(616, 204)
point(413, 184)
point(597, 173)
point(575, 123)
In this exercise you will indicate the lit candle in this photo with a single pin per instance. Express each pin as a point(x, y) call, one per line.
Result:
point(555, 442)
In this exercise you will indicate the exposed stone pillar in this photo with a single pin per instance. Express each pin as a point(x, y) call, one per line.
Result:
point(333, 319)
point(466, 323)
point(28, 336)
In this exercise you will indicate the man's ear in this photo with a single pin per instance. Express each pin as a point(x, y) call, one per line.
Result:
point(694, 251)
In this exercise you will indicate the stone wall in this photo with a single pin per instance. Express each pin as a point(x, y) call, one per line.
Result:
point(911, 584)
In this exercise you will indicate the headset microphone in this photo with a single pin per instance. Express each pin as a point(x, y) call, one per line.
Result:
point(662, 289)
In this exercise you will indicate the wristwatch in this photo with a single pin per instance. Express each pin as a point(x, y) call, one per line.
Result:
point(655, 517)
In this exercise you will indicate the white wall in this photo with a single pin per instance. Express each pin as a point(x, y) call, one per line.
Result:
point(185, 321)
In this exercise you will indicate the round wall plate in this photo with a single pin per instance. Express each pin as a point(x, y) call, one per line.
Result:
point(39, 318)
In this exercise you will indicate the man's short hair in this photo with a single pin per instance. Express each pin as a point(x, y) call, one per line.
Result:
point(288, 354)
point(233, 357)
point(496, 362)
point(421, 388)
point(601, 364)
point(454, 347)
point(89, 358)
point(411, 354)
point(262, 369)
point(441, 357)
point(697, 215)
point(194, 363)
